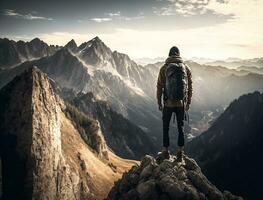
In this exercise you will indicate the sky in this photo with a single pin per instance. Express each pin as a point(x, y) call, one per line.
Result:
point(214, 29)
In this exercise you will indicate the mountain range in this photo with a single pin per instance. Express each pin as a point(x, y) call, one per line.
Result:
point(130, 88)
point(235, 63)
point(13, 53)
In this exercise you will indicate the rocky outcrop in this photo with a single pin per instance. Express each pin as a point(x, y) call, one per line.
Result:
point(167, 179)
point(30, 131)
point(42, 152)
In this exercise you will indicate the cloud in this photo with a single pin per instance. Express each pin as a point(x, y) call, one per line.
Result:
point(117, 16)
point(242, 36)
point(101, 19)
point(192, 7)
point(114, 14)
point(28, 16)
point(182, 7)
point(132, 18)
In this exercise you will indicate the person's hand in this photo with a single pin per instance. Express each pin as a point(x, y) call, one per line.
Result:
point(160, 107)
point(187, 107)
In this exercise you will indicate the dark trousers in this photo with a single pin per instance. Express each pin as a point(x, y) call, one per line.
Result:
point(167, 114)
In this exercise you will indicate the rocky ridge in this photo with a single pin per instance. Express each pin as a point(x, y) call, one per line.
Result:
point(165, 180)
point(13, 53)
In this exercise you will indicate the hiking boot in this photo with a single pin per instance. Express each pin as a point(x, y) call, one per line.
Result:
point(165, 154)
point(179, 155)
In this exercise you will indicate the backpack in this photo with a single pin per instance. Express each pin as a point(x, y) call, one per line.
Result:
point(176, 82)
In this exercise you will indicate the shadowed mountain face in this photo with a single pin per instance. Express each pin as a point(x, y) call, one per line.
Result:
point(122, 136)
point(229, 150)
point(167, 180)
point(13, 53)
point(49, 149)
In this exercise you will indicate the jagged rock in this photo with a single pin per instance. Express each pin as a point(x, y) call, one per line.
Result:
point(13, 53)
point(147, 190)
point(72, 46)
point(168, 180)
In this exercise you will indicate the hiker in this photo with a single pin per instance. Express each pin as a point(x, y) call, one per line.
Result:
point(175, 86)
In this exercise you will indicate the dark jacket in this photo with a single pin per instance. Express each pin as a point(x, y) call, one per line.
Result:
point(162, 79)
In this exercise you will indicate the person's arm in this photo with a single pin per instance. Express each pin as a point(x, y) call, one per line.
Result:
point(160, 86)
point(190, 87)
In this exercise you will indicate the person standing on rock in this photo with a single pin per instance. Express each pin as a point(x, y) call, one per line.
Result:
point(175, 86)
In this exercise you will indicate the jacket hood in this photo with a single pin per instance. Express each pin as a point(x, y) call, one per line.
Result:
point(173, 59)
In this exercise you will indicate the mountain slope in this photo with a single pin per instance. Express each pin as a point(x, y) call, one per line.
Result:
point(123, 137)
point(167, 180)
point(229, 151)
point(43, 151)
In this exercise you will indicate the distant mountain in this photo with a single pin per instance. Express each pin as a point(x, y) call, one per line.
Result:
point(220, 85)
point(257, 70)
point(235, 63)
point(229, 152)
point(146, 60)
point(167, 179)
point(201, 60)
point(51, 150)
point(13, 53)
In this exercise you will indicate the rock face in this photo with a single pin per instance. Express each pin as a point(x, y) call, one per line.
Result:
point(43, 155)
point(167, 180)
point(32, 141)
